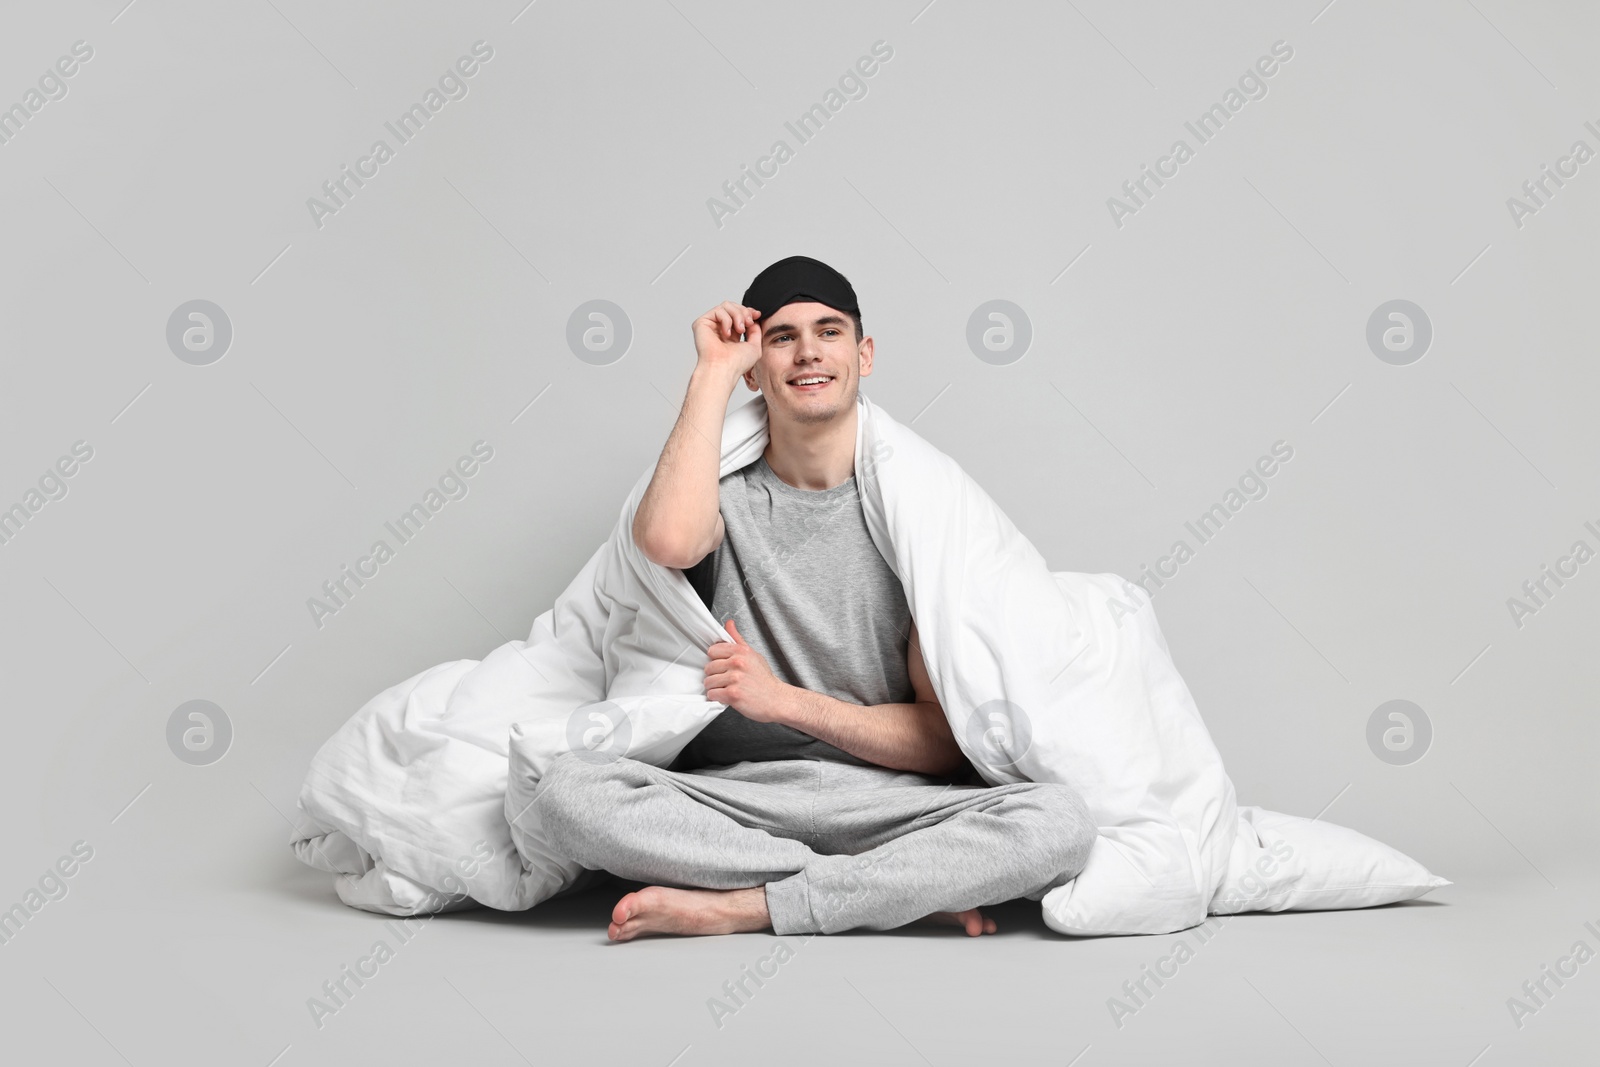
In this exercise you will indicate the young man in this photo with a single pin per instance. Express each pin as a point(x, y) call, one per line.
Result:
point(830, 794)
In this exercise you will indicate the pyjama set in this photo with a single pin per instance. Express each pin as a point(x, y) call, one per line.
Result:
point(838, 842)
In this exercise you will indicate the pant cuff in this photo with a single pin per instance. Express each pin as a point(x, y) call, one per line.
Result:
point(789, 906)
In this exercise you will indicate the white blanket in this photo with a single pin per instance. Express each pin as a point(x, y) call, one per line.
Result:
point(1050, 677)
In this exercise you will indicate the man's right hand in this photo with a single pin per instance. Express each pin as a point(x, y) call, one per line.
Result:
point(716, 337)
point(678, 521)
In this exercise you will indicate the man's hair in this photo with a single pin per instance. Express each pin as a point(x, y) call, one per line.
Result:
point(855, 317)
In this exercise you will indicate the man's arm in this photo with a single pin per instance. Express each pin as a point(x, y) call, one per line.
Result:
point(678, 522)
point(904, 737)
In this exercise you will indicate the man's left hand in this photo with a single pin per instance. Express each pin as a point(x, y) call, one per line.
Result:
point(738, 676)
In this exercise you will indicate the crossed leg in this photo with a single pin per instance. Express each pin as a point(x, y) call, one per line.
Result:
point(662, 910)
point(806, 846)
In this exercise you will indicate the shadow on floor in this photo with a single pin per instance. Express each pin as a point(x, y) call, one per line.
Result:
point(590, 909)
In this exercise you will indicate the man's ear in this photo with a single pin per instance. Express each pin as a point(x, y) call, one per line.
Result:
point(864, 350)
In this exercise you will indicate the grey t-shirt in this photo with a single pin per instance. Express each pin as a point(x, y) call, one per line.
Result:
point(807, 588)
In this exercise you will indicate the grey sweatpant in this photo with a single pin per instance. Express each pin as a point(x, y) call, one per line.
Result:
point(838, 846)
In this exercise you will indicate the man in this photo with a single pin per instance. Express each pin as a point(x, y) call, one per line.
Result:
point(831, 793)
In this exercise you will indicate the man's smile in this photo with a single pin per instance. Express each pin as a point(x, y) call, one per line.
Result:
point(811, 383)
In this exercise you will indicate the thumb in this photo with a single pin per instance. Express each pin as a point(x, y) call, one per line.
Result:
point(733, 630)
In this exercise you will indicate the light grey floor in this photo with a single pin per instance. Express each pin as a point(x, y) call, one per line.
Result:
point(143, 970)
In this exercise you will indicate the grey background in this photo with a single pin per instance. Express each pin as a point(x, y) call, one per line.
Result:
point(1167, 355)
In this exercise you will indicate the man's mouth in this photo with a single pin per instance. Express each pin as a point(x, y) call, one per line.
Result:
point(811, 383)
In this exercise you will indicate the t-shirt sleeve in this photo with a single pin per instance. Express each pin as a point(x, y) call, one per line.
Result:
point(703, 576)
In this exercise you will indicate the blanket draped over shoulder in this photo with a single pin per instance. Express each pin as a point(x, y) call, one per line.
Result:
point(424, 800)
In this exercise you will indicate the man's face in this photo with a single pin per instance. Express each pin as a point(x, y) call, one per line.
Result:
point(807, 340)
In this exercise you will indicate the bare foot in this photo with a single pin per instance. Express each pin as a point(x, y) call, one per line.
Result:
point(972, 921)
point(659, 910)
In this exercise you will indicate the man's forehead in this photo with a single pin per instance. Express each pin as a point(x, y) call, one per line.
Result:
point(802, 312)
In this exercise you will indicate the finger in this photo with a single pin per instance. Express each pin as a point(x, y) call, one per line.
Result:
point(733, 628)
point(735, 314)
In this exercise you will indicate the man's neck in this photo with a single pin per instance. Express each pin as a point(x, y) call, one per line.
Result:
point(814, 455)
